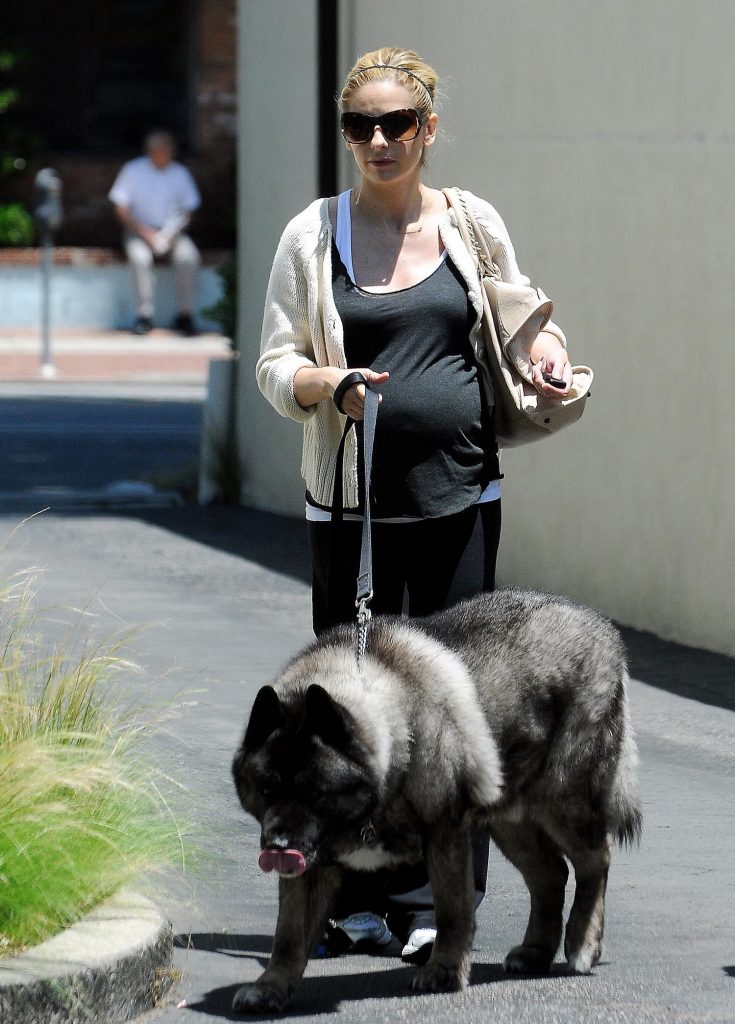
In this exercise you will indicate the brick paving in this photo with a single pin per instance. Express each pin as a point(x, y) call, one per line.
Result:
point(114, 356)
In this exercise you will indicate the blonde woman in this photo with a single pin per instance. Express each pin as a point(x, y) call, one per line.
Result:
point(378, 280)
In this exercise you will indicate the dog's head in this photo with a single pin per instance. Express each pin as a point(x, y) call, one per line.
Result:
point(304, 773)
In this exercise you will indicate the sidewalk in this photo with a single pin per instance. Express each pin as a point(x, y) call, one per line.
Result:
point(81, 356)
point(225, 593)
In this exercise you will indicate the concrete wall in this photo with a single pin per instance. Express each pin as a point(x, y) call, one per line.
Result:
point(97, 297)
point(277, 166)
point(604, 134)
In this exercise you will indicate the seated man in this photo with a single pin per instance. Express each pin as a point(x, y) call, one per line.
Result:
point(154, 196)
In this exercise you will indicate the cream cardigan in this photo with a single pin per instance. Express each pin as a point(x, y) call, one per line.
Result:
point(301, 327)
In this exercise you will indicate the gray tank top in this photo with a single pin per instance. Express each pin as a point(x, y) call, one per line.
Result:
point(434, 450)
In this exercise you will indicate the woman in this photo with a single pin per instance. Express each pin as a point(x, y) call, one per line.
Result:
point(379, 280)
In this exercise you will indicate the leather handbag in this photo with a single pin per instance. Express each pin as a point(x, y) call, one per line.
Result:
point(513, 315)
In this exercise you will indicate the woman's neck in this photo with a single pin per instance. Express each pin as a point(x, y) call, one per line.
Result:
point(396, 207)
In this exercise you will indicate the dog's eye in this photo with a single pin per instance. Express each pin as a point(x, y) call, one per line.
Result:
point(267, 785)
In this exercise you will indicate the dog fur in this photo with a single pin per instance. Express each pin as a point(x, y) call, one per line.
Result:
point(508, 710)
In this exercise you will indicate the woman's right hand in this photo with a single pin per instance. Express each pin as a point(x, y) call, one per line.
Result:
point(313, 384)
point(353, 403)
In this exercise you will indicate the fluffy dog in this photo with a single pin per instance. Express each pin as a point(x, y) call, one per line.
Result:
point(508, 710)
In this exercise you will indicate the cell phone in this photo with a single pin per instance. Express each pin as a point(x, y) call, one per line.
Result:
point(555, 382)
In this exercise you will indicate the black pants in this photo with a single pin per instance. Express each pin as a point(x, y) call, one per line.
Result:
point(418, 568)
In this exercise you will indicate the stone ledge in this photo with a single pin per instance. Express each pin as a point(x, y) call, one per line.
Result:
point(109, 967)
point(78, 256)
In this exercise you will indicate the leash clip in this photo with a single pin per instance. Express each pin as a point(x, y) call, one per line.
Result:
point(364, 616)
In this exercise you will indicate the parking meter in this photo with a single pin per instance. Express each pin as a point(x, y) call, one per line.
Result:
point(47, 202)
point(49, 214)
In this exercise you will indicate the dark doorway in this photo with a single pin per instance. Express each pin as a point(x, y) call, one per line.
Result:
point(96, 73)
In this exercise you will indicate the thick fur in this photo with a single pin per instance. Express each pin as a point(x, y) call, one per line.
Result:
point(507, 710)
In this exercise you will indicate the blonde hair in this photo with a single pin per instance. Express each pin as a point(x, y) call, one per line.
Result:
point(403, 66)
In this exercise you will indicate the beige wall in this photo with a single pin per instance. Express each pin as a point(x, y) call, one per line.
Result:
point(277, 178)
point(605, 135)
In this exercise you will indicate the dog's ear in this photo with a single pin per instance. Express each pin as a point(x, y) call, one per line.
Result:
point(265, 717)
point(328, 719)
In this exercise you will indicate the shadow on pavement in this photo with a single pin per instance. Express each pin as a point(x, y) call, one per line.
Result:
point(280, 543)
point(686, 671)
point(327, 994)
point(226, 944)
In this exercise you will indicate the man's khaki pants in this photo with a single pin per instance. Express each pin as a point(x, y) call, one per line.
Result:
point(185, 259)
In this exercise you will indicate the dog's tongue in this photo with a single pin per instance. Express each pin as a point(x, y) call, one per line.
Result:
point(285, 862)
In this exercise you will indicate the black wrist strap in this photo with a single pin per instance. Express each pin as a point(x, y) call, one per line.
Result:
point(344, 386)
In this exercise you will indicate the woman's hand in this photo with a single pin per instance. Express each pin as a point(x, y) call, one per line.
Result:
point(313, 384)
point(353, 403)
point(551, 359)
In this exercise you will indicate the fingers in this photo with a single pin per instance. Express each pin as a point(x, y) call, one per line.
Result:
point(353, 403)
point(549, 372)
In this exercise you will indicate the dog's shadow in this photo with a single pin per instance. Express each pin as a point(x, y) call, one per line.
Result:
point(326, 993)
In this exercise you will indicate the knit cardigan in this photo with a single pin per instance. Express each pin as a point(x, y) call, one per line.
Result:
point(301, 327)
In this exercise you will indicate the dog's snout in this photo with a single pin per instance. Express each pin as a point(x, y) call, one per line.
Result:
point(274, 842)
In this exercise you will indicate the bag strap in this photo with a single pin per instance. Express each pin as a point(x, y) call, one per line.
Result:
point(472, 234)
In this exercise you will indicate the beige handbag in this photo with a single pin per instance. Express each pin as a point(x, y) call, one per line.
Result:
point(513, 316)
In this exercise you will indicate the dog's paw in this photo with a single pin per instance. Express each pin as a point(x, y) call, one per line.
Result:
point(260, 998)
point(583, 960)
point(528, 960)
point(439, 978)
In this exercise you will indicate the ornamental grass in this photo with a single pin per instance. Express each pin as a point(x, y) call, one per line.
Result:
point(84, 810)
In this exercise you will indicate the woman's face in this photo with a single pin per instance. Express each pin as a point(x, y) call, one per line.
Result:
point(380, 159)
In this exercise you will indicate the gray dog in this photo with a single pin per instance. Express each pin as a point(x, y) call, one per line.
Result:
point(508, 710)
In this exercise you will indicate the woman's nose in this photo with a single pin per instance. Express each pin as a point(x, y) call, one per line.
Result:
point(378, 140)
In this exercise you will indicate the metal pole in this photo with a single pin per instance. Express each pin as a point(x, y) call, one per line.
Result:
point(47, 365)
point(49, 216)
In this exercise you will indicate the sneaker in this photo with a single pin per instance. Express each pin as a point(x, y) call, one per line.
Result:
point(366, 927)
point(185, 325)
point(143, 325)
point(419, 946)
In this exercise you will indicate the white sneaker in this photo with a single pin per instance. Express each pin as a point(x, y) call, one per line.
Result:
point(366, 927)
point(418, 948)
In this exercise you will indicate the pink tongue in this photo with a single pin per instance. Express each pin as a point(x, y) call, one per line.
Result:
point(285, 862)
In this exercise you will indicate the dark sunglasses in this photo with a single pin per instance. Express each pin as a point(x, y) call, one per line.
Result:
point(396, 125)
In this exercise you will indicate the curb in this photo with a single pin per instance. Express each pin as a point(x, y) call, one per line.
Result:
point(109, 967)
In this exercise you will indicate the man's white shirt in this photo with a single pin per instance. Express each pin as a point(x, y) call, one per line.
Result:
point(155, 196)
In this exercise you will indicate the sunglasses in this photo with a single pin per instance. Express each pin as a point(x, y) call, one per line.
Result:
point(395, 125)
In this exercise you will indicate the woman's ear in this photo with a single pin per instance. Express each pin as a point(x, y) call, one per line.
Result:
point(430, 126)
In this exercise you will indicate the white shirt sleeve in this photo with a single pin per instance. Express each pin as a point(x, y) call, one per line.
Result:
point(190, 198)
point(120, 191)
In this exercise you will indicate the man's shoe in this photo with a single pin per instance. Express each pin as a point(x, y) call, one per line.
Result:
point(143, 325)
point(185, 325)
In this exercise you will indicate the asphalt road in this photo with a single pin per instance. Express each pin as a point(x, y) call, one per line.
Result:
point(224, 594)
point(57, 446)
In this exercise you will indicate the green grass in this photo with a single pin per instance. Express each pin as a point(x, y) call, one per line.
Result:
point(83, 808)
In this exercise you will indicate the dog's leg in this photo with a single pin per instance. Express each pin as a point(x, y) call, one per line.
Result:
point(545, 872)
point(303, 905)
point(583, 939)
point(449, 864)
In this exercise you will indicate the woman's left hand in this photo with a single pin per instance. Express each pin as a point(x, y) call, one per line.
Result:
point(555, 365)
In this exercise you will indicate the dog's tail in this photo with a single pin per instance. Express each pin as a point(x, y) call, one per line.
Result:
point(625, 810)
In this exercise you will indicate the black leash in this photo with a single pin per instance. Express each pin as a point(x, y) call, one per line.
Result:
point(365, 575)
